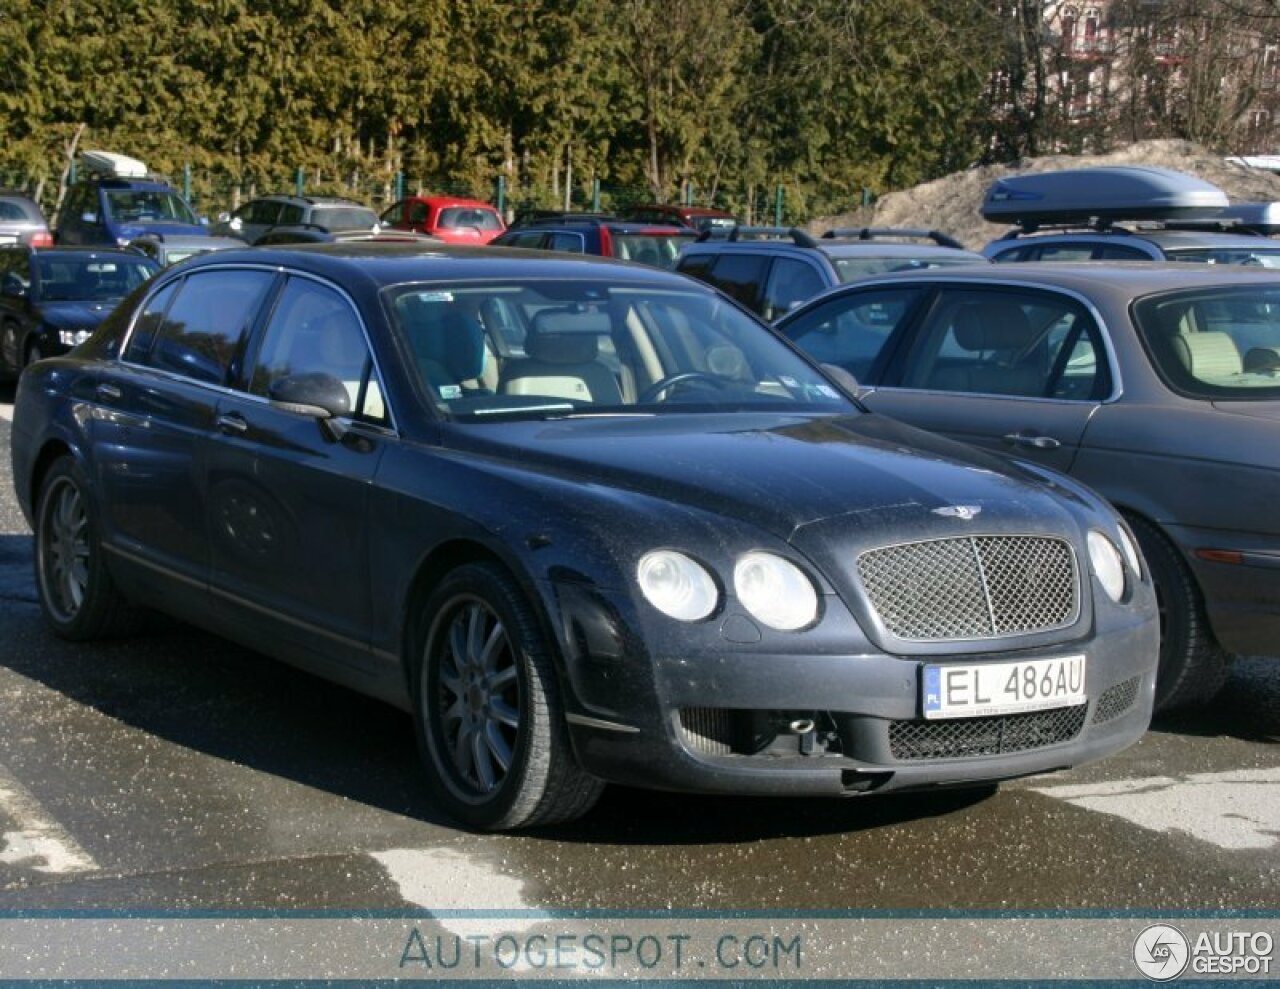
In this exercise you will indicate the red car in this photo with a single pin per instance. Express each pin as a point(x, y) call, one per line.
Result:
point(453, 220)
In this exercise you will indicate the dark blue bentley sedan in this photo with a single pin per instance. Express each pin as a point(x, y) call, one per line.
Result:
point(589, 521)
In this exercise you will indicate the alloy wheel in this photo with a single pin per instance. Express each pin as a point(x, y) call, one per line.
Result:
point(64, 550)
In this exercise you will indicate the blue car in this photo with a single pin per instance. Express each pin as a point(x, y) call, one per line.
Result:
point(118, 211)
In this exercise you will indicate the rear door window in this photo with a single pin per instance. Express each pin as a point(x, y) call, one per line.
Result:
point(206, 325)
point(741, 277)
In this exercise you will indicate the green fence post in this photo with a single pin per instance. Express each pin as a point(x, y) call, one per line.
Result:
point(186, 181)
point(595, 195)
point(71, 176)
point(688, 193)
point(777, 207)
point(297, 181)
point(501, 195)
point(866, 196)
point(400, 183)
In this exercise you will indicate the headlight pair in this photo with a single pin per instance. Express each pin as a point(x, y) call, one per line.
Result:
point(71, 338)
point(1109, 562)
point(775, 591)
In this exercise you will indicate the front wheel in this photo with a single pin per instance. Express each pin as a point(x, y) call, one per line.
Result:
point(486, 705)
point(77, 594)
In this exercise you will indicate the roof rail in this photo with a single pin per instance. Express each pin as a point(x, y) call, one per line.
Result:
point(739, 232)
point(871, 233)
point(566, 216)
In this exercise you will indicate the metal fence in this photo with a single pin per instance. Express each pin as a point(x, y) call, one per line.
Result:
point(214, 191)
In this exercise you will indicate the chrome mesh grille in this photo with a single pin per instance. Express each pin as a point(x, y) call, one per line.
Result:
point(977, 587)
point(962, 738)
point(1116, 700)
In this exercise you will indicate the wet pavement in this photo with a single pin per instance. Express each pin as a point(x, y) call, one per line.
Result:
point(176, 770)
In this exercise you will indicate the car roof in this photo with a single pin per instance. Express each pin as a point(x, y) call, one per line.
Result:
point(1164, 238)
point(443, 202)
point(392, 263)
point(103, 250)
point(835, 248)
point(1125, 278)
point(284, 197)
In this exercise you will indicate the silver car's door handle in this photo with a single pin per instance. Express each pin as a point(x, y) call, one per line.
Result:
point(232, 422)
point(1030, 440)
point(109, 392)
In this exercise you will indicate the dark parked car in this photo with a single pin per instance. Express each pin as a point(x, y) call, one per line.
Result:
point(52, 298)
point(1158, 385)
point(22, 221)
point(657, 547)
point(319, 235)
point(771, 270)
point(261, 216)
point(167, 249)
point(590, 233)
point(694, 217)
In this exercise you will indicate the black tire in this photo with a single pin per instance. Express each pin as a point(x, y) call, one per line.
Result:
point(485, 692)
point(34, 353)
point(79, 599)
point(1192, 666)
point(10, 352)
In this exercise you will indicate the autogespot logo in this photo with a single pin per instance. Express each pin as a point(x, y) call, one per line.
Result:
point(1161, 953)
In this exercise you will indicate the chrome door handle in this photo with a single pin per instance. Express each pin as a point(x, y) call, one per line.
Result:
point(109, 392)
point(232, 422)
point(1032, 441)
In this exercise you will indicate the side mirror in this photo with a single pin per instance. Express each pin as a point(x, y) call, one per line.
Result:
point(318, 395)
point(844, 379)
point(235, 223)
point(14, 288)
point(224, 217)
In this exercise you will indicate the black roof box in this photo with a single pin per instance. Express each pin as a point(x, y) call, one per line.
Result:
point(1086, 195)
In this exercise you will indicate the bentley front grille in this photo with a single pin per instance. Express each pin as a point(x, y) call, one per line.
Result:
point(976, 587)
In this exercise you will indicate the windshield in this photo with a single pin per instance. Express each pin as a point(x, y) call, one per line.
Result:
point(344, 218)
point(1215, 343)
point(659, 250)
point(545, 348)
point(90, 279)
point(1266, 256)
point(851, 269)
point(148, 205)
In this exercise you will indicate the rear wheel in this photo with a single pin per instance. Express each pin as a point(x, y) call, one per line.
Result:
point(77, 594)
point(1192, 666)
point(487, 708)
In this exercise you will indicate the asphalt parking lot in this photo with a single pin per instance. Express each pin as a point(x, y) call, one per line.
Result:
point(178, 771)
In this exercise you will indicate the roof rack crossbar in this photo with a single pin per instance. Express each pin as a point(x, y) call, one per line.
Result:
point(738, 231)
point(870, 233)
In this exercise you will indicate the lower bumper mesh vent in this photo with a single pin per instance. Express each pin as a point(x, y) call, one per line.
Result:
point(1116, 700)
point(967, 737)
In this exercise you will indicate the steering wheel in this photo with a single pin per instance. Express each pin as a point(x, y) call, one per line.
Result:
point(667, 383)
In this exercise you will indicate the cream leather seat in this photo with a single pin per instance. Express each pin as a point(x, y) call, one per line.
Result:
point(562, 347)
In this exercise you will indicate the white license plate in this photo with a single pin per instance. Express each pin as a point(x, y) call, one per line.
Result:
point(962, 691)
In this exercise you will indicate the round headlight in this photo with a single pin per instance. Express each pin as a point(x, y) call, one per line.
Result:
point(1107, 566)
point(676, 585)
point(1130, 551)
point(775, 591)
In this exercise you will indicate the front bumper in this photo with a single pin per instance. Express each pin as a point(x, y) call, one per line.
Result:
point(716, 719)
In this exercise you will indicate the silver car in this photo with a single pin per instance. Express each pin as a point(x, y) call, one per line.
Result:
point(1156, 384)
point(22, 222)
